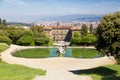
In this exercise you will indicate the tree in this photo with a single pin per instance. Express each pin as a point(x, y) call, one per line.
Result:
point(14, 35)
point(75, 39)
point(28, 33)
point(108, 34)
point(4, 22)
point(91, 28)
point(76, 34)
point(41, 41)
point(25, 41)
point(39, 36)
point(37, 29)
point(84, 30)
point(0, 21)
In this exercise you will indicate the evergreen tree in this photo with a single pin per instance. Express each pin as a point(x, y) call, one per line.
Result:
point(4, 22)
point(0, 21)
point(84, 30)
point(91, 28)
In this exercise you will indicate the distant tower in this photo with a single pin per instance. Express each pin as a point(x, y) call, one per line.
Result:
point(58, 23)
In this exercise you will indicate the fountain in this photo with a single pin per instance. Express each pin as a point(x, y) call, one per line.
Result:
point(61, 49)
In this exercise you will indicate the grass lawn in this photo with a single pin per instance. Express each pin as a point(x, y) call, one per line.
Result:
point(18, 72)
point(33, 53)
point(85, 53)
point(3, 47)
point(109, 72)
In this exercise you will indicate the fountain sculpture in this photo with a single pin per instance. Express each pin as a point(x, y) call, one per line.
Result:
point(61, 49)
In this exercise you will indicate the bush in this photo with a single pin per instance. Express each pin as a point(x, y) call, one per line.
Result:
point(25, 41)
point(5, 39)
point(88, 40)
point(75, 41)
point(28, 33)
point(3, 33)
point(41, 41)
point(15, 34)
point(50, 42)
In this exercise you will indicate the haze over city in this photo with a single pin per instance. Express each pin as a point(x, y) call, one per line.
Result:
point(30, 10)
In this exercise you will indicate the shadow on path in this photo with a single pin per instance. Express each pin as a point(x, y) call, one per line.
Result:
point(106, 73)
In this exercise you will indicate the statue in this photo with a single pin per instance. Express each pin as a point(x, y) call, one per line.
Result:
point(61, 49)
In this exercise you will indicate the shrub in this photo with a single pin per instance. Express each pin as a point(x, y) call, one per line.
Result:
point(50, 42)
point(15, 34)
point(3, 33)
point(28, 33)
point(75, 41)
point(41, 41)
point(25, 41)
point(5, 39)
point(88, 40)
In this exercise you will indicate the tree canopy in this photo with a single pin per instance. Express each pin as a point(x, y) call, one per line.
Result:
point(108, 34)
point(84, 30)
point(3, 23)
point(27, 37)
point(91, 28)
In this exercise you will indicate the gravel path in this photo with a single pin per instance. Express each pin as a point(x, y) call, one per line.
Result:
point(57, 68)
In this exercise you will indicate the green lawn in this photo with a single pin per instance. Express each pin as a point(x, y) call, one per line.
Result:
point(3, 47)
point(18, 72)
point(109, 72)
point(33, 53)
point(85, 53)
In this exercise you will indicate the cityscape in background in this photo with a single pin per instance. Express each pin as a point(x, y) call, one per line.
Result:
point(69, 20)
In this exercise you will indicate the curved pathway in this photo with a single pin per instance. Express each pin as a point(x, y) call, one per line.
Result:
point(57, 68)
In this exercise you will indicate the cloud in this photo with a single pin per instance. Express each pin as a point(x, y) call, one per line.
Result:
point(19, 3)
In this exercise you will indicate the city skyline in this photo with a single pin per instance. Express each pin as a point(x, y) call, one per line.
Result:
point(27, 9)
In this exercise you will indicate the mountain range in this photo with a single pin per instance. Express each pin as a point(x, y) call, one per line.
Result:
point(68, 18)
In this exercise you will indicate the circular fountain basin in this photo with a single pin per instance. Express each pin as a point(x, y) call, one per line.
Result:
point(52, 52)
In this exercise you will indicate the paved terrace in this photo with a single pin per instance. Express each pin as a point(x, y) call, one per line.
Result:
point(57, 68)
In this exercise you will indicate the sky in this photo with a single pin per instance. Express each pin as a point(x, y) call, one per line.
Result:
point(23, 9)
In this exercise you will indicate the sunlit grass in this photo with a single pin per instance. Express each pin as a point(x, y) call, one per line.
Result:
point(18, 72)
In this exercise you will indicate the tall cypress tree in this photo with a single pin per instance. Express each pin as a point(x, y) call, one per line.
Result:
point(0, 21)
point(4, 22)
point(91, 28)
point(84, 30)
